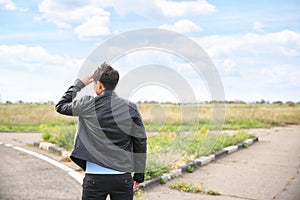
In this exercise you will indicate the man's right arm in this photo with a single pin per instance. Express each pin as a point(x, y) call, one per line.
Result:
point(83, 106)
point(65, 104)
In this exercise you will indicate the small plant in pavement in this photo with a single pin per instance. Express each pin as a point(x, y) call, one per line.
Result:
point(185, 186)
point(190, 169)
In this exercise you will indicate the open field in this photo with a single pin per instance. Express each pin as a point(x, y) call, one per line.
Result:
point(237, 116)
point(29, 117)
point(181, 132)
point(34, 117)
point(157, 117)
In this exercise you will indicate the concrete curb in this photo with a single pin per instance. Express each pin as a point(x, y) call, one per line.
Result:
point(199, 162)
point(52, 148)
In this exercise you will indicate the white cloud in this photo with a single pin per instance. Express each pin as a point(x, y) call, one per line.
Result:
point(76, 16)
point(144, 8)
point(30, 73)
point(30, 58)
point(265, 64)
point(285, 43)
point(7, 5)
point(55, 11)
point(165, 8)
point(184, 8)
point(128, 63)
point(228, 65)
point(220, 45)
point(282, 75)
point(10, 5)
point(93, 27)
point(182, 26)
point(82, 14)
point(258, 26)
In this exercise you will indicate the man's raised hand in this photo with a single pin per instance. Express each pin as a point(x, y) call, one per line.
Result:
point(87, 80)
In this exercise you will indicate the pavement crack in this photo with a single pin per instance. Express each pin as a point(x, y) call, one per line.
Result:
point(258, 163)
point(238, 197)
point(280, 194)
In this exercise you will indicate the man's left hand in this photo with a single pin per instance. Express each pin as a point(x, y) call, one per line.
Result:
point(136, 185)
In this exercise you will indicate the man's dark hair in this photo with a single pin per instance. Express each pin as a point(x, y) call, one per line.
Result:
point(107, 75)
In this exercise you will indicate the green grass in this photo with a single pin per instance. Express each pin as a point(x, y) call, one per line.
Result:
point(178, 140)
point(30, 117)
point(167, 151)
point(20, 128)
point(62, 134)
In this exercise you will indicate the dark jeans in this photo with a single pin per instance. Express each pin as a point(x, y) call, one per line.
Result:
point(98, 186)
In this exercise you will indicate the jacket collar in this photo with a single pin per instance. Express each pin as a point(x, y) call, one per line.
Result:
point(107, 93)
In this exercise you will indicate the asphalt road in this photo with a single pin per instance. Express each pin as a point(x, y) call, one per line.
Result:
point(23, 176)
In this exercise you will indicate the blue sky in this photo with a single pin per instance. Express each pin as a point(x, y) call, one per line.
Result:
point(255, 45)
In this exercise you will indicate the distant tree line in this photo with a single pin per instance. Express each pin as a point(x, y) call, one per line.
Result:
point(22, 102)
point(290, 103)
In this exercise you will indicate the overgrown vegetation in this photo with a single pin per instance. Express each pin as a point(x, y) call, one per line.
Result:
point(167, 150)
point(179, 137)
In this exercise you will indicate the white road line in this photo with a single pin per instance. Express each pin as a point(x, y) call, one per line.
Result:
point(1, 142)
point(8, 145)
point(76, 175)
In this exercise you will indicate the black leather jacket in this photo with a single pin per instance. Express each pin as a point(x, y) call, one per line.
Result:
point(110, 131)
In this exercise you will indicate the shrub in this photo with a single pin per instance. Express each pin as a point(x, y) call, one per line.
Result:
point(62, 135)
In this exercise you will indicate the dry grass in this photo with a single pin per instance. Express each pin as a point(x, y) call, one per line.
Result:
point(18, 117)
point(270, 112)
point(29, 117)
point(236, 115)
point(14, 114)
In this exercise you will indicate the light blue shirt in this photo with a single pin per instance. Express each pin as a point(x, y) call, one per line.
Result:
point(92, 168)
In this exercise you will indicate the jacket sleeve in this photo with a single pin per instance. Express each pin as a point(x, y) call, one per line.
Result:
point(139, 139)
point(68, 106)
